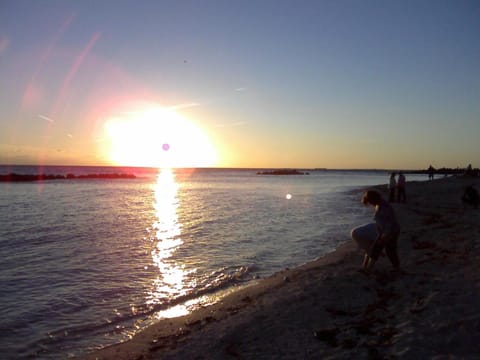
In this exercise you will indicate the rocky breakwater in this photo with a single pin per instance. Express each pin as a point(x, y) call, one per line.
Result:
point(13, 177)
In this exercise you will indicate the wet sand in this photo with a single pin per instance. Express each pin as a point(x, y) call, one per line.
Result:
point(327, 309)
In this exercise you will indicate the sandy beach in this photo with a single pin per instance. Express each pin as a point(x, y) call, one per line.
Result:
point(327, 309)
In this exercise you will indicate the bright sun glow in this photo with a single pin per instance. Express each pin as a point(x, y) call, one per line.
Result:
point(157, 137)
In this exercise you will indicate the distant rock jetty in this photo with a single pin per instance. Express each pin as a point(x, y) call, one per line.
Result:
point(12, 177)
point(283, 172)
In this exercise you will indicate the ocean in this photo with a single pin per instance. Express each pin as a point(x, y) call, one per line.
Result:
point(86, 263)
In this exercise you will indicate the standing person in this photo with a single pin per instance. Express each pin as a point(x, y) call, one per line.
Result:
point(431, 172)
point(387, 231)
point(401, 194)
point(391, 187)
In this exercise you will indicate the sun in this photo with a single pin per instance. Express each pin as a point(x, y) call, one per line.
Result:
point(157, 137)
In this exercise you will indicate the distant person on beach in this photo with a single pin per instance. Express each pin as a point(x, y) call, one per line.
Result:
point(383, 234)
point(469, 170)
point(391, 188)
point(470, 197)
point(401, 194)
point(431, 172)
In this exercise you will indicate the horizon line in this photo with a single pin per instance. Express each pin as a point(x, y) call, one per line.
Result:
point(235, 168)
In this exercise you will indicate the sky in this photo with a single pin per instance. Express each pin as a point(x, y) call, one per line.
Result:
point(256, 84)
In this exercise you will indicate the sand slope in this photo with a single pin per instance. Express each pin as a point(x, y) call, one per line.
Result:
point(327, 309)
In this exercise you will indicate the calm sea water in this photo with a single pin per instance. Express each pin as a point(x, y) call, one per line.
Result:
point(87, 263)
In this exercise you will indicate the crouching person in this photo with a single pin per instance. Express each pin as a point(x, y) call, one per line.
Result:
point(383, 234)
point(470, 197)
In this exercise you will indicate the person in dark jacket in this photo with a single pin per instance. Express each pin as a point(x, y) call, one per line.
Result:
point(470, 197)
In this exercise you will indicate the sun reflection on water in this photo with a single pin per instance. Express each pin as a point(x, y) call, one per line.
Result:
point(174, 280)
point(170, 282)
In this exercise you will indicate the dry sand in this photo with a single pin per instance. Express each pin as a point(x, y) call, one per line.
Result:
point(327, 309)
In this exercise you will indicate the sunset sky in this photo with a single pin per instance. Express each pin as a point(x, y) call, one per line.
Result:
point(306, 84)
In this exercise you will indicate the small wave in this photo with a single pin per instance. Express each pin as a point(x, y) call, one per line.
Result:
point(125, 323)
point(208, 284)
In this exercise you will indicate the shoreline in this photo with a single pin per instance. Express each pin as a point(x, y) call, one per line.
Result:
point(326, 308)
